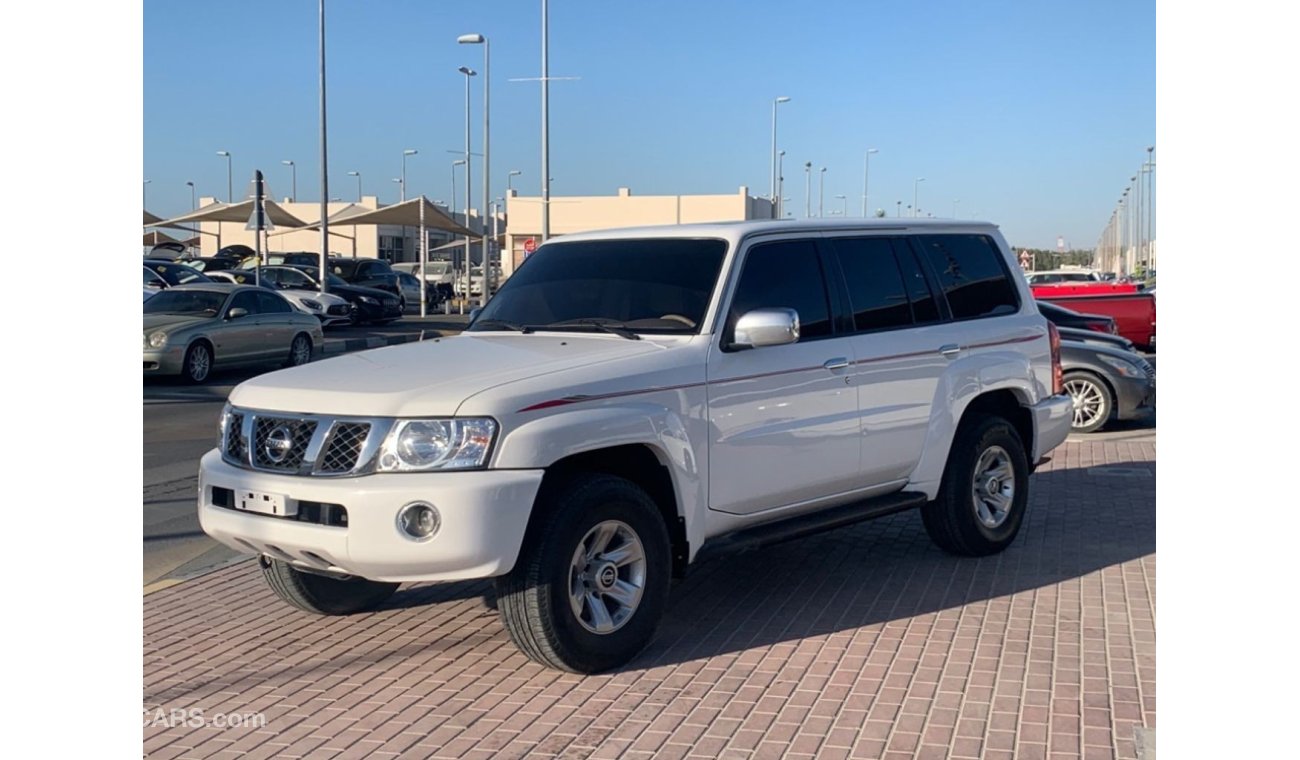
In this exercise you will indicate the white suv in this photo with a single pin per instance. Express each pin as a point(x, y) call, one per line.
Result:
point(634, 401)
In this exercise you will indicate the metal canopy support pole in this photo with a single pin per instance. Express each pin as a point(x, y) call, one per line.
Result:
point(324, 171)
point(546, 121)
point(257, 224)
point(424, 257)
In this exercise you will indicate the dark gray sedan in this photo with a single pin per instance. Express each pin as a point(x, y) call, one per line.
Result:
point(191, 329)
point(1106, 384)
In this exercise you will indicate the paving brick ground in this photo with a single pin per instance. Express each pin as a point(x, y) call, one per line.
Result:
point(866, 642)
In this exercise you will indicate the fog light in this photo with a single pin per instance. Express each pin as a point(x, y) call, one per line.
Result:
point(419, 520)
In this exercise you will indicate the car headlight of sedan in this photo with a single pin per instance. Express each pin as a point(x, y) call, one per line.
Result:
point(438, 444)
point(1124, 367)
point(310, 304)
point(156, 339)
point(368, 299)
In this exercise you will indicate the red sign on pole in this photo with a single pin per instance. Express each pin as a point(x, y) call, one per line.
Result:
point(530, 245)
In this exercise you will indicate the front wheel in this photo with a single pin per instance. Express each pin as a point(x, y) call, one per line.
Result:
point(591, 581)
point(198, 363)
point(299, 351)
point(984, 491)
point(1093, 402)
point(322, 595)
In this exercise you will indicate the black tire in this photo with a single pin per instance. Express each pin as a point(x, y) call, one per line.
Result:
point(321, 595)
point(953, 519)
point(534, 598)
point(1091, 387)
point(299, 356)
point(197, 365)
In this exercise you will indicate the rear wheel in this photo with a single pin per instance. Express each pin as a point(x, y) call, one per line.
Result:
point(299, 350)
point(984, 492)
point(591, 582)
point(322, 595)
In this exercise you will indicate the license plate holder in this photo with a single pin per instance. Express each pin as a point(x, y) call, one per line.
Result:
point(274, 504)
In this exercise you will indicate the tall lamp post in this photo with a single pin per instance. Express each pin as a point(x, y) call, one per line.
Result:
point(900, 209)
point(358, 176)
point(513, 173)
point(405, 153)
point(293, 194)
point(145, 199)
point(866, 173)
point(915, 205)
point(775, 195)
point(478, 39)
point(821, 192)
point(469, 262)
point(780, 185)
point(807, 189)
point(194, 205)
point(230, 193)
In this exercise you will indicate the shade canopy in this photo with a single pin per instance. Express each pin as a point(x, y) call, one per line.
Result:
point(238, 213)
point(406, 214)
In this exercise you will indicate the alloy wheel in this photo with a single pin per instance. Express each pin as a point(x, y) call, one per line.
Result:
point(607, 577)
point(1089, 402)
point(993, 487)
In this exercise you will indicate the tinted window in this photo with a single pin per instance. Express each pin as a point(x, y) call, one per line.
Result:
point(245, 300)
point(185, 302)
point(972, 275)
point(652, 285)
point(291, 278)
point(925, 309)
point(876, 292)
point(785, 275)
point(270, 303)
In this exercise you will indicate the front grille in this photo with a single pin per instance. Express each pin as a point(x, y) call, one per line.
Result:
point(344, 447)
point(1147, 368)
point(272, 430)
point(236, 446)
point(338, 310)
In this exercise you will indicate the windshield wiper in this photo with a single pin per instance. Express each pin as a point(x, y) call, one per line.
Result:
point(604, 325)
point(525, 329)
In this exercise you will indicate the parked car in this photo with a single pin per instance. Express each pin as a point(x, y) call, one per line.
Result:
point(1134, 312)
point(160, 274)
point(1063, 317)
point(169, 251)
point(329, 308)
point(1099, 338)
point(191, 329)
point(1106, 384)
point(439, 275)
point(369, 304)
point(634, 401)
point(210, 264)
point(412, 291)
point(1052, 276)
point(367, 273)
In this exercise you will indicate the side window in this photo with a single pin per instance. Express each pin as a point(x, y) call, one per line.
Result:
point(877, 294)
point(785, 275)
point(972, 274)
point(273, 275)
point(925, 309)
point(271, 303)
point(245, 300)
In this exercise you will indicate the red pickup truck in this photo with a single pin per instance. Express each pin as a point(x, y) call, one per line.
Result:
point(1134, 312)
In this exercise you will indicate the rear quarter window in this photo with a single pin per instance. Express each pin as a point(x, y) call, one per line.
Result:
point(972, 274)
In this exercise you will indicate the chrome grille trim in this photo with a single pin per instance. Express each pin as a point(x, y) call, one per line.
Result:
point(318, 458)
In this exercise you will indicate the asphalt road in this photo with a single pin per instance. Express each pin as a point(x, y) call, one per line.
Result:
point(180, 426)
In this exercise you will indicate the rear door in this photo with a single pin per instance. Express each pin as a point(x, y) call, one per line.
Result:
point(896, 339)
point(783, 419)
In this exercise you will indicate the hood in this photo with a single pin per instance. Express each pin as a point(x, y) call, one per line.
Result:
point(172, 321)
point(428, 378)
point(1097, 349)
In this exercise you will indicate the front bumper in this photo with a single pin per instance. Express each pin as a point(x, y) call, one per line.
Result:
point(483, 517)
point(1134, 397)
point(1052, 418)
point(164, 361)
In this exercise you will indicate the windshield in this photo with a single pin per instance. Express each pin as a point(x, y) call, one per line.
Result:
point(649, 285)
point(314, 273)
point(197, 302)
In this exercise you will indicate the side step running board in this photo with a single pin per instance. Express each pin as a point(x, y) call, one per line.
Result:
point(799, 526)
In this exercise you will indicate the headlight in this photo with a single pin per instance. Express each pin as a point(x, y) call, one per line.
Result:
point(368, 299)
point(448, 444)
point(158, 339)
point(310, 304)
point(1125, 368)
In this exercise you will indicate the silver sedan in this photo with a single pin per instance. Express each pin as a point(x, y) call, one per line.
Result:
point(191, 329)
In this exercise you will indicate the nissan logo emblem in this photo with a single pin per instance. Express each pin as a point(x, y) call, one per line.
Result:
point(277, 444)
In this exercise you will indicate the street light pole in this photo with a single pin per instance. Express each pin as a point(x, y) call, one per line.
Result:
point(780, 185)
point(193, 206)
point(469, 262)
point(807, 189)
point(146, 193)
point(324, 169)
point(293, 194)
point(866, 173)
point(775, 195)
point(478, 39)
point(821, 192)
point(405, 153)
point(358, 176)
point(915, 186)
point(546, 122)
point(230, 194)
point(509, 177)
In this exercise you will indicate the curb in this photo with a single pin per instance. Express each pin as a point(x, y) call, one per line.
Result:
point(346, 345)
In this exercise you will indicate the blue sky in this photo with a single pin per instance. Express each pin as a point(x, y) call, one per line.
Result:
point(1033, 114)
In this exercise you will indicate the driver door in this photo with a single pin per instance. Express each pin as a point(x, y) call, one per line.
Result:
point(240, 339)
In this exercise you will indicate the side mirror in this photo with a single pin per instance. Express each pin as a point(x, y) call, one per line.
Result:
point(236, 313)
point(766, 327)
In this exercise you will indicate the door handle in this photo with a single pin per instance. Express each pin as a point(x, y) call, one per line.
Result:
point(838, 362)
point(950, 350)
